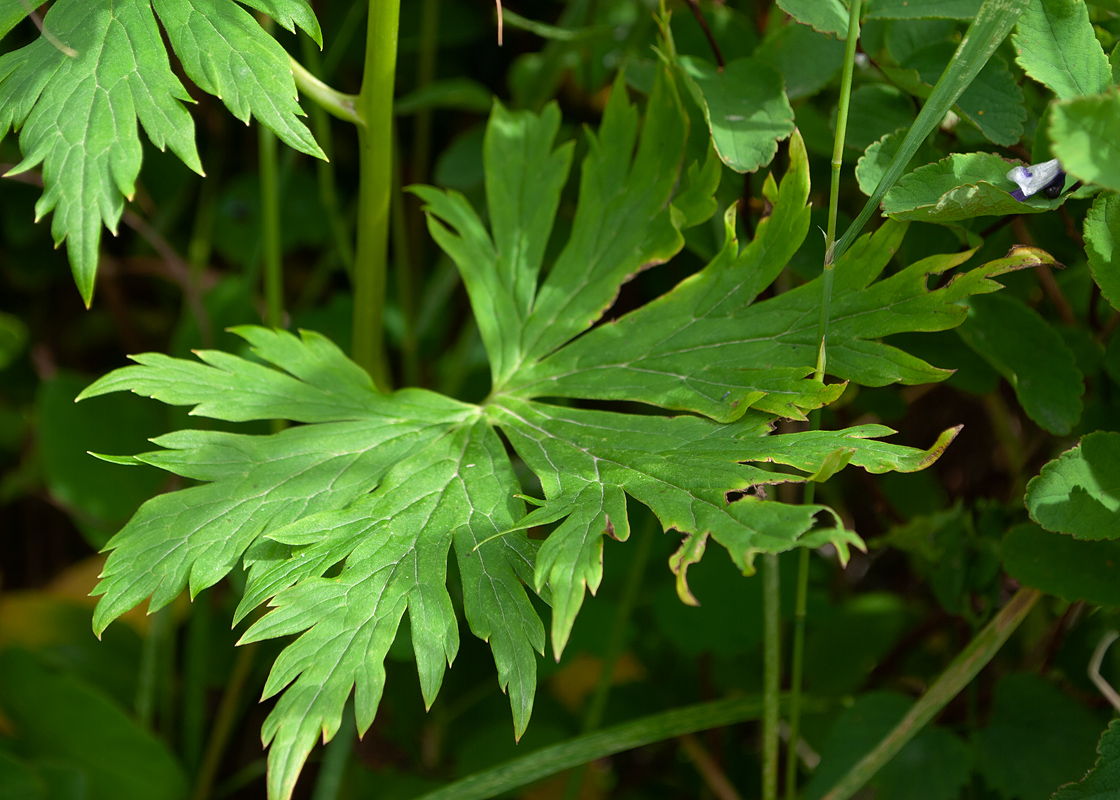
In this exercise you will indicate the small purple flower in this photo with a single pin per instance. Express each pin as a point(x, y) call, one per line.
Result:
point(1047, 177)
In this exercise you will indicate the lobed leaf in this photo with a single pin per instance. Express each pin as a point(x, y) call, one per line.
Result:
point(109, 60)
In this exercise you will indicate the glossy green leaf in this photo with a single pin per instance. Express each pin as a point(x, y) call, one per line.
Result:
point(922, 9)
point(993, 21)
point(1055, 44)
point(959, 187)
point(1024, 349)
point(1063, 566)
point(1083, 136)
point(1078, 493)
point(935, 765)
point(1037, 738)
point(60, 718)
point(1102, 244)
point(826, 16)
point(745, 106)
point(115, 66)
point(1103, 780)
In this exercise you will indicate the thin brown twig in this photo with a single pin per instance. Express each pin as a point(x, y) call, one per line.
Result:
point(714, 776)
point(1046, 278)
point(694, 6)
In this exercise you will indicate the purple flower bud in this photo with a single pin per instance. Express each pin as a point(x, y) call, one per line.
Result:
point(1046, 177)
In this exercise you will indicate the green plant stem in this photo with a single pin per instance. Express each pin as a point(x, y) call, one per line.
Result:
point(148, 680)
point(615, 739)
point(270, 229)
point(335, 757)
point(425, 74)
point(593, 716)
point(375, 145)
point(771, 673)
point(336, 103)
point(406, 276)
point(224, 721)
point(325, 172)
point(958, 675)
point(834, 188)
point(797, 661)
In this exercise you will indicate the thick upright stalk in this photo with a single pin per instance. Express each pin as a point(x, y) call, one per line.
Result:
point(375, 176)
point(771, 674)
point(958, 675)
point(834, 190)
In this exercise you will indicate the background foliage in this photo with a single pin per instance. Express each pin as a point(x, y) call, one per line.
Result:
point(604, 291)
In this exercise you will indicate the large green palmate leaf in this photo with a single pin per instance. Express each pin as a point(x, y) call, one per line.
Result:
point(348, 520)
point(108, 59)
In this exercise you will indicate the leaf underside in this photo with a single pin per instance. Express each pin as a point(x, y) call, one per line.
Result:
point(347, 522)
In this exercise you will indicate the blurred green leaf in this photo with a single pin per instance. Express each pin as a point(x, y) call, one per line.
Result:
point(875, 110)
point(1078, 493)
point(19, 780)
point(960, 187)
point(1083, 136)
point(1102, 244)
point(13, 338)
point(935, 765)
point(1063, 566)
point(1025, 350)
point(807, 60)
point(1055, 45)
point(993, 100)
point(1037, 738)
point(95, 491)
point(461, 93)
point(1103, 780)
point(745, 106)
point(58, 717)
point(922, 9)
